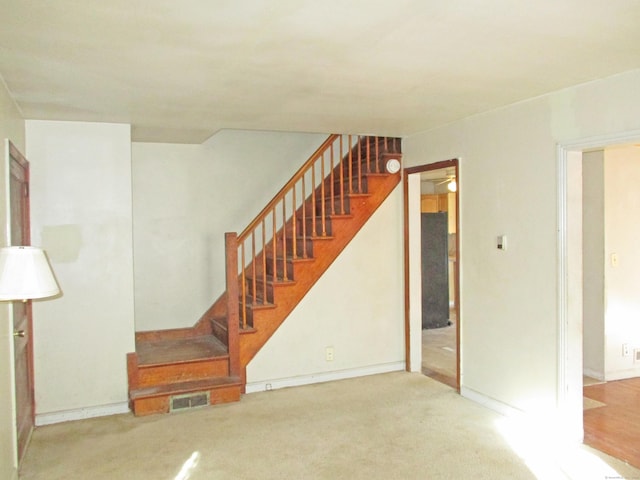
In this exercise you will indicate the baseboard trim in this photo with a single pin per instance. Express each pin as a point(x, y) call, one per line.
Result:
point(620, 375)
point(265, 385)
point(587, 372)
point(490, 403)
point(81, 413)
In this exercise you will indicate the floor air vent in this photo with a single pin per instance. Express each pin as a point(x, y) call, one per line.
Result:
point(191, 400)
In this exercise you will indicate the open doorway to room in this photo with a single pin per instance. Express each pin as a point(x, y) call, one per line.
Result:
point(598, 308)
point(431, 214)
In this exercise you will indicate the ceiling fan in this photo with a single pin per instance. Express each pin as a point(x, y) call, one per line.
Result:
point(450, 178)
point(452, 184)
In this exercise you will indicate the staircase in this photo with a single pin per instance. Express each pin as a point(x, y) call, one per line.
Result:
point(271, 266)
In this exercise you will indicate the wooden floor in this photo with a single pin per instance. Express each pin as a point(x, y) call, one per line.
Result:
point(439, 353)
point(614, 428)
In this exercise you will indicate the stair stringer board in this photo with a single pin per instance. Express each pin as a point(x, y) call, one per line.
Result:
point(325, 251)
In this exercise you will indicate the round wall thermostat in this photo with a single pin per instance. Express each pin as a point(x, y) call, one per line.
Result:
point(393, 165)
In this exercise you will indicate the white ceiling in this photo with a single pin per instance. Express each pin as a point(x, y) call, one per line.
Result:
point(178, 71)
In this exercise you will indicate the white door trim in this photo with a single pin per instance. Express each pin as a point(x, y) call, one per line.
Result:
point(569, 271)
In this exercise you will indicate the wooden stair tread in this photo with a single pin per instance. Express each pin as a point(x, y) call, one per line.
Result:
point(260, 306)
point(184, 387)
point(270, 280)
point(329, 216)
point(159, 352)
point(318, 237)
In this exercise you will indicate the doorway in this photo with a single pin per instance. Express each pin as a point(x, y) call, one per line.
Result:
point(432, 271)
point(579, 274)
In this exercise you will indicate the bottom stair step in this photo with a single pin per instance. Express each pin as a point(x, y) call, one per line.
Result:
point(158, 399)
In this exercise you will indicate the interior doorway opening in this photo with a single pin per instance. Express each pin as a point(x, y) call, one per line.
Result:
point(432, 271)
point(592, 304)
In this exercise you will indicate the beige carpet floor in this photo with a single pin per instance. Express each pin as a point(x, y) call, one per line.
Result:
point(392, 426)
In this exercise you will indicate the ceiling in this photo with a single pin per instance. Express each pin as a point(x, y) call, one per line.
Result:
point(179, 71)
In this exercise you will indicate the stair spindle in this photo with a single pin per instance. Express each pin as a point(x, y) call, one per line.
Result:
point(264, 263)
point(274, 241)
point(285, 275)
point(359, 164)
point(323, 200)
point(350, 165)
point(304, 219)
point(243, 282)
point(313, 195)
point(294, 221)
point(253, 268)
point(331, 180)
point(368, 157)
point(341, 175)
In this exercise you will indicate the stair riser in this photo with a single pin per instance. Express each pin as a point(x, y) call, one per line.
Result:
point(340, 186)
point(262, 292)
point(373, 167)
point(309, 224)
point(334, 205)
point(356, 187)
point(160, 404)
point(390, 147)
point(220, 331)
point(182, 372)
point(287, 246)
point(247, 320)
point(280, 268)
point(304, 247)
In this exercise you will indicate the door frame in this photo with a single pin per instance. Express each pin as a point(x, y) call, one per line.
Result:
point(412, 302)
point(569, 275)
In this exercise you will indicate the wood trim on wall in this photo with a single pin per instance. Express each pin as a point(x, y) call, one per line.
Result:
point(406, 172)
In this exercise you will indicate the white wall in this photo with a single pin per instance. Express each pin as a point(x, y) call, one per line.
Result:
point(622, 230)
point(81, 214)
point(509, 185)
point(356, 307)
point(12, 128)
point(184, 198)
point(593, 262)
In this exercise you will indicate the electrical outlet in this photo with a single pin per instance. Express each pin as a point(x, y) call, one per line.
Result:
point(328, 354)
point(626, 351)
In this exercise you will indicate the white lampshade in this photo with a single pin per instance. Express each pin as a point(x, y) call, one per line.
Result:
point(25, 274)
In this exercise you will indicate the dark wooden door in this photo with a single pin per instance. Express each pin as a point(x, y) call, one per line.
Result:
point(22, 324)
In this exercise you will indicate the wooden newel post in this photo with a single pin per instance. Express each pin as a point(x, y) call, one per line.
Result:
point(233, 311)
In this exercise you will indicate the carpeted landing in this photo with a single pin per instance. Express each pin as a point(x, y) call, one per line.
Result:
point(392, 426)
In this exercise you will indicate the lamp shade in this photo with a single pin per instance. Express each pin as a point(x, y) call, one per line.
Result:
point(25, 274)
